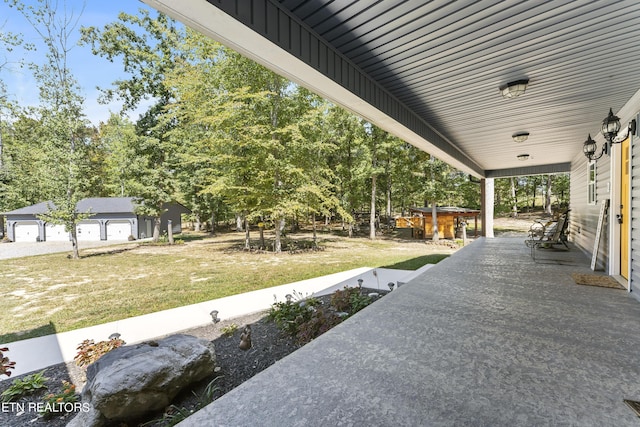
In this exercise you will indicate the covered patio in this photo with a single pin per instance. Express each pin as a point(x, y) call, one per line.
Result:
point(486, 337)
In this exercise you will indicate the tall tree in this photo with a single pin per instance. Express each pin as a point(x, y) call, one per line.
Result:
point(149, 47)
point(60, 113)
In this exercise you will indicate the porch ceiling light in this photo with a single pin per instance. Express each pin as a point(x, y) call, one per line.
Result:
point(523, 157)
point(520, 136)
point(514, 89)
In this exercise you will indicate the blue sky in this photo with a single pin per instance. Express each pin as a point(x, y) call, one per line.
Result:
point(89, 70)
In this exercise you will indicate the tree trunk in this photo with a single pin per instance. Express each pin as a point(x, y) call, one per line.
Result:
point(388, 210)
point(247, 240)
point(239, 221)
point(315, 234)
point(74, 242)
point(514, 200)
point(372, 216)
point(261, 228)
point(170, 231)
point(197, 226)
point(156, 229)
point(547, 196)
point(434, 222)
point(213, 224)
point(277, 245)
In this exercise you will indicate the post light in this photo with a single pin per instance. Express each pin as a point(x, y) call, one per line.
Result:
point(214, 316)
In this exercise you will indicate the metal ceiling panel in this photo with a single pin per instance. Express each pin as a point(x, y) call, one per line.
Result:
point(434, 67)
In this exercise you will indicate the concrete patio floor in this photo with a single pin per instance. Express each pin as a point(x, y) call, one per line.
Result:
point(488, 337)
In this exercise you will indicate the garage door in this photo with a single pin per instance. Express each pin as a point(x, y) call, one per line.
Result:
point(118, 230)
point(88, 231)
point(55, 233)
point(25, 232)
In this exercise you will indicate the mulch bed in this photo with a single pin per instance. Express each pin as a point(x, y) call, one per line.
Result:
point(234, 366)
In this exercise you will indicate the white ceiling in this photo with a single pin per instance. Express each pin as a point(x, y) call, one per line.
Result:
point(445, 61)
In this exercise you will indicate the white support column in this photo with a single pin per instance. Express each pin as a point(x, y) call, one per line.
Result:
point(487, 194)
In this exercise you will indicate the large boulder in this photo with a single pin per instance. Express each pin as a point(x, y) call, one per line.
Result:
point(131, 381)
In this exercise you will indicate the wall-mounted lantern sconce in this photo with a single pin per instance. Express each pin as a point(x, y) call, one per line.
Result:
point(514, 89)
point(610, 128)
point(589, 149)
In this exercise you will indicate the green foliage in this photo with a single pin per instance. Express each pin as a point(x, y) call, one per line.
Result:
point(5, 363)
point(319, 323)
point(350, 300)
point(89, 351)
point(174, 414)
point(229, 330)
point(54, 403)
point(24, 386)
point(359, 301)
point(289, 315)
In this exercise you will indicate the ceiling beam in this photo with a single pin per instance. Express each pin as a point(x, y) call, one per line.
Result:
point(530, 170)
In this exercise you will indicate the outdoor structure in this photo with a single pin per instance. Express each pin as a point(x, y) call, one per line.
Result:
point(450, 218)
point(496, 89)
point(111, 218)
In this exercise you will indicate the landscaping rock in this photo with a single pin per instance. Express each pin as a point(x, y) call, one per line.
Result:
point(130, 381)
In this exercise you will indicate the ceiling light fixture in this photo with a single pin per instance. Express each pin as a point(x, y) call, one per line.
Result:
point(520, 136)
point(523, 157)
point(514, 89)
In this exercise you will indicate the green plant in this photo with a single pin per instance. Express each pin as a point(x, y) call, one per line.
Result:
point(350, 300)
point(290, 314)
point(24, 386)
point(5, 364)
point(229, 330)
point(358, 301)
point(56, 403)
point(174, 414)
point(89, 351)
point(319, 323)
point(341, 299)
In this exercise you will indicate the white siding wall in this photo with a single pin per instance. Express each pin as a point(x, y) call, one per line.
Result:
point(584, 216)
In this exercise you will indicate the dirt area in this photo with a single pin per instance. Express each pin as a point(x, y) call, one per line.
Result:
point(506, 226)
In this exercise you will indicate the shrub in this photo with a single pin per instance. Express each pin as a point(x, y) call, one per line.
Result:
point(349, 300)
point(358, 301)
point(319, 323)
point(54, 403)
point(5, 363)
point(24, 386)
point(341, 299)
point(290, 314)
point(89, 352)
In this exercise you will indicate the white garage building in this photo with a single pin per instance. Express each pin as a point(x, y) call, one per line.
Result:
point(112, 218)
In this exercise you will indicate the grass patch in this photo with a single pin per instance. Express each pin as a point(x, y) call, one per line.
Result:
point(417, 262)
point(108, 285)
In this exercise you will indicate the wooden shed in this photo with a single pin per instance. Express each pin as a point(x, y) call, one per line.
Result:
point(449, 221)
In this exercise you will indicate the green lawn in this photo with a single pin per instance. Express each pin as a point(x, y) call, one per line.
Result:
point(51, 293)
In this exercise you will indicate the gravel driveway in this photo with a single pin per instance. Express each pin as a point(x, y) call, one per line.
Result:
point(23, 249)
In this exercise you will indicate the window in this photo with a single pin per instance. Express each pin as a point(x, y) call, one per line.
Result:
point(591, 182)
